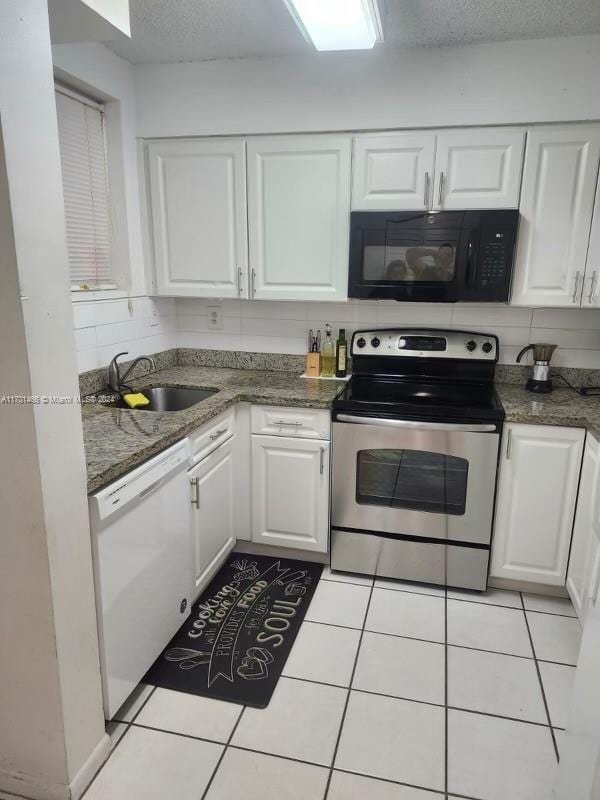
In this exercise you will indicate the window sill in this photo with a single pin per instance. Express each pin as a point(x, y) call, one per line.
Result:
point(81, 295)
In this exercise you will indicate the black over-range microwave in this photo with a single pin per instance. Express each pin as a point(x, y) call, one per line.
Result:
point(439, 256)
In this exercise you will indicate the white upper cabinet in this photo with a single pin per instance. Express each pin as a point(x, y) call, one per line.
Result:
point(299, 216)
point(591, 291)
point(198, 210)
point(557, 197)
point(392, 172)
point(535, 504)
point(478, 168)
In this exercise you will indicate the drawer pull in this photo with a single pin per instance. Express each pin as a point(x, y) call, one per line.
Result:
point(322, 460)
point(281, 422)
point(218, 433)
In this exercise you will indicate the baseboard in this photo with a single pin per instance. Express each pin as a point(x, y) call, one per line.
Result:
point(527, 586)
point(15, 787)
point(87, 772)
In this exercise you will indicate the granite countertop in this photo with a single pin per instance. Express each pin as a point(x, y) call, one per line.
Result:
point(117, 440)
point(561, 407)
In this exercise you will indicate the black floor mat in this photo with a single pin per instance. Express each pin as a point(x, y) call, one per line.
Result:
point(235, 642)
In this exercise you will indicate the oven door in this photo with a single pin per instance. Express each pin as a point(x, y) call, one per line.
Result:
point(420, 479)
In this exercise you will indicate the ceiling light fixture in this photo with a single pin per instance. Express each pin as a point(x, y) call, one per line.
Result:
point(338, 24)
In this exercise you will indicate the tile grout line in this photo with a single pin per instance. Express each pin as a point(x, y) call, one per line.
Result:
point(343, 719)
point(539, 674)
point(125, 732)
point(222, 756)
point(446, 692)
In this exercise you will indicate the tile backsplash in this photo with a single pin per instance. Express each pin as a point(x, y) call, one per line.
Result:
point(281, 327)
point(144, 325)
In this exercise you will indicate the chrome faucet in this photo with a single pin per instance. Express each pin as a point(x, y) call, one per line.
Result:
point(115, 379)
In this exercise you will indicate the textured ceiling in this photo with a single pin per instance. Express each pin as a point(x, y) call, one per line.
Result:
point(199, 30)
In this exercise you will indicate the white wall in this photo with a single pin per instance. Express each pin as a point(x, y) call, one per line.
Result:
point(51, 722)
point(138, 325)
point(507, 82)
point(261, 326)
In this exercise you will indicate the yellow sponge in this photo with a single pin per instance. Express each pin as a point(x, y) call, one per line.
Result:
point(135, 400)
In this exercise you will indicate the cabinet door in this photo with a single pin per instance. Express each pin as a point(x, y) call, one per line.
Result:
point(298, 217)
point(591, 290)
point(478, 168)
point(392, 172)
point(198, 209)
point(557, 196)
point(577, 574)
point(535, 505)
point(290, 497)
point(213, 499)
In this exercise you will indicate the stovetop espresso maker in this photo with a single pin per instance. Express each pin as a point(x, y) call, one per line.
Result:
point(539, 381)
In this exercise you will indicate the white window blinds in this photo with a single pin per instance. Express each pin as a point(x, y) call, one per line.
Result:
point(85, 186)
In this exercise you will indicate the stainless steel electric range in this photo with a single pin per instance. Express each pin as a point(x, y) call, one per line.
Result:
point(416, 433)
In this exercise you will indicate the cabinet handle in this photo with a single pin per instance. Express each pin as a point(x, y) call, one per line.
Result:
point(577, 276)
point(441, 192)
point(426, 190)
point(253, 283)
point(322, 460)
point(281, 422)
point(239, 277)
point(508, 444)
point(592, 287)
point(195, 483)
point(218, 433)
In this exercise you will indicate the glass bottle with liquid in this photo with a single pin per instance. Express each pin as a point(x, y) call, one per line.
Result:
point(328, 354)
point(341, 354)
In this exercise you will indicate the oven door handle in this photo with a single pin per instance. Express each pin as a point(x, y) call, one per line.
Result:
point(419, 426)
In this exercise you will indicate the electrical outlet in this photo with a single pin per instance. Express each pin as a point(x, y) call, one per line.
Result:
point(215, 318)
point(153, 316)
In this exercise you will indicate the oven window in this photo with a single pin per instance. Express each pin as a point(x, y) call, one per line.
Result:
point(412, 479)
point(409, 263)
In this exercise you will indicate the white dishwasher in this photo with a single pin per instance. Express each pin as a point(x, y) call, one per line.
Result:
point(141, 539)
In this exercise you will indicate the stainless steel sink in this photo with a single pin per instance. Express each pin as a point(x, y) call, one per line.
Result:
point(170, 398)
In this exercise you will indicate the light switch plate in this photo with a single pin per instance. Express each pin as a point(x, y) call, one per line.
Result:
point(215, 318)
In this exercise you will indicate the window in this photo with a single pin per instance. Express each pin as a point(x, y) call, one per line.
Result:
point(85, 186)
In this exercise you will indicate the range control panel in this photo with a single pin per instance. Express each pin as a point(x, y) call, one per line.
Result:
point(425, 344)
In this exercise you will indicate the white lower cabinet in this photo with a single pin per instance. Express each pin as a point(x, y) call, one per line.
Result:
point(583, 575)
point(290, 492)
point(213, 497)
point(535, 506)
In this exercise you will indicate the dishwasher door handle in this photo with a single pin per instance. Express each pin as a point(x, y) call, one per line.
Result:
point(415, 425)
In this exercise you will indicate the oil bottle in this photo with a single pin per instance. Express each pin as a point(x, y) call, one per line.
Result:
point(328, 354)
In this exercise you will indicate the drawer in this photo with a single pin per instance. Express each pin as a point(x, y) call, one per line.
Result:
point(304, 423)
point(204, 440)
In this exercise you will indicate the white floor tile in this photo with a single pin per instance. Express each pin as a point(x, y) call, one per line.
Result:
point(344, 786)
point(346, 577)
point(301, 721)
point(495, 684)
point(151, 765)
point(134, 702)
point(493, 597)
point(497, 759)
point(339, 604)
point(488, 628)
point(402, 667)
point(410, 586)
point(549, 605)
point(323, 653)
point(558, 685)
point(252, 776)
point(190, 714)
point(555, 638)
point(394, 739)
point(405, 614)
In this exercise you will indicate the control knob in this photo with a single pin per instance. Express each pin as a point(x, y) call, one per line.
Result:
point(487, 347)
point(360, 342)
point(375, 342)
point(471, 345)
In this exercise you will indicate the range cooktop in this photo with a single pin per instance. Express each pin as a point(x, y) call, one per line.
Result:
point(422, 374)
